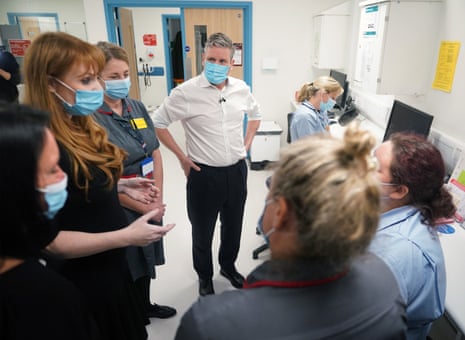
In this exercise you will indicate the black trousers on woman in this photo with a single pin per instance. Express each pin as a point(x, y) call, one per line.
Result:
point(213, 192)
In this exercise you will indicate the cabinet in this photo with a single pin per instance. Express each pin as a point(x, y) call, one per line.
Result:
point(265, 145)
point(330, 41)
point(397, 46)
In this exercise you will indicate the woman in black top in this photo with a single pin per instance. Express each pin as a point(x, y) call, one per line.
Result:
point(9, 77)
point(35, 302)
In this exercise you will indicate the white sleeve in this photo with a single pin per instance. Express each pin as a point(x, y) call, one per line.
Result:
point(173, 108)
point(253, 111)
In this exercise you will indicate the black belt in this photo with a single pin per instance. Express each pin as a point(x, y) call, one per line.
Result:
point(220, 167)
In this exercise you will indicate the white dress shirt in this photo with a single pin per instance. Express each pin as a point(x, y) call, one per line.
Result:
point(213, 119)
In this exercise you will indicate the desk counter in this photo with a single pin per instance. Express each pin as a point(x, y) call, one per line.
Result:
point(338, 130)
point(453, 246)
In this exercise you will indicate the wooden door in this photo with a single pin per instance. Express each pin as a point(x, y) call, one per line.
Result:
point(30, 27)
point(228, 21)
point(126, 29)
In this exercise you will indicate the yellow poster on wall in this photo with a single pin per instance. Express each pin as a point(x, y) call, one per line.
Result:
point(445, 68)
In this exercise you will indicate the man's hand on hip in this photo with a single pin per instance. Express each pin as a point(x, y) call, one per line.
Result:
point(187, 164)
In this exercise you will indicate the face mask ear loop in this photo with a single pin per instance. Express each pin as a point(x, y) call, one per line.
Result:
point(271, 231)
point(65, 85)
point(61, 98)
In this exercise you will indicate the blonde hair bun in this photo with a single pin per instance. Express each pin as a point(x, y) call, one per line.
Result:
point(358, 144)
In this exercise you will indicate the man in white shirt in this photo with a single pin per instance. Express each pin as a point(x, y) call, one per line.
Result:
point(212, 108)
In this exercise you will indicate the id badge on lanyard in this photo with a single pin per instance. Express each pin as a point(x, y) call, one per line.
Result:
point(147, 167)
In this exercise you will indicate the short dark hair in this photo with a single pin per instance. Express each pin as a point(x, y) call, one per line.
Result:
point(24, 227)
point(221, 40)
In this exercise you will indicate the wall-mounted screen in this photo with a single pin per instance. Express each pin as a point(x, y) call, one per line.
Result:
point(407, 118)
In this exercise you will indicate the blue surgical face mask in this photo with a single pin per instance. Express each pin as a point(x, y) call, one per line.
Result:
point(86, 102)
point(328, 105)
point(117, 88)
point(216, 74)
point(266, 236)
point(55, 195)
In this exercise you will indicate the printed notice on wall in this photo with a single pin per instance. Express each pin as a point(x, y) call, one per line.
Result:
point(18, 47)
point(445, 69)
point(456, 187)
point(369, 21)
point(237, 54)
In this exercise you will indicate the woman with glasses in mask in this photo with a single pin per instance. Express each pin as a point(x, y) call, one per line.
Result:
point(320, 215)
point(315, 100)
point(61, 76)
point(35, 302)
point(130, 127)
point(413, 202)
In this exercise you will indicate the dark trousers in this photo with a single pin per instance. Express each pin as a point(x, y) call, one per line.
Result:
point(211, 192)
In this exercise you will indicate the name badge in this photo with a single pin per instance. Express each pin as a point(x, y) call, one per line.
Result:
point(139, 123)
point(147, 166)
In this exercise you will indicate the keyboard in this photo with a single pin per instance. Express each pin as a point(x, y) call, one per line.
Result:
point(334, 112)
point(349, 114)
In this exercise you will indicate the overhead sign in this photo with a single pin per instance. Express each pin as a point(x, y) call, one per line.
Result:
point(150, 39)
point(18, 46)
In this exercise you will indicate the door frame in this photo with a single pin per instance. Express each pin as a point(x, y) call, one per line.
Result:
point(126, 37)
point(168, 64)
point(14, 16)
point(110, 7)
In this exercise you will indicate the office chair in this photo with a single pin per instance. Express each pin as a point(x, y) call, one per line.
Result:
point(289, 120)
point(265, 246)
point(258, 250)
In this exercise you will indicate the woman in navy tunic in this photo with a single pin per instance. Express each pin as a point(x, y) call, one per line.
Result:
point(129, 126)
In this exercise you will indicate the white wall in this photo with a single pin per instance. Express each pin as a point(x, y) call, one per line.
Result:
point(449, 108)
point(447, 131)
point(284, 31)
point(70, 11)
point(280, 31)
point(290, 43)
point(94, 15)
point(149, 21)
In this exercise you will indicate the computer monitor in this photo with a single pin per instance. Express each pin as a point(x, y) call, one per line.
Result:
point(342, 80)
point(406, 118)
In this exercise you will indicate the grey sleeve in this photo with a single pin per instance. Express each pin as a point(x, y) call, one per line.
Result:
point(188, 328)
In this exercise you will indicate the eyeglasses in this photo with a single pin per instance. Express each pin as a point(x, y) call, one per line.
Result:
point(389, 184)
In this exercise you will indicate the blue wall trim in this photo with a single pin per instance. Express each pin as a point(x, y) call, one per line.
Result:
point(154, 71)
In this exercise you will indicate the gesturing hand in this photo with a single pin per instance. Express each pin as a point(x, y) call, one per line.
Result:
point(141, 233)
